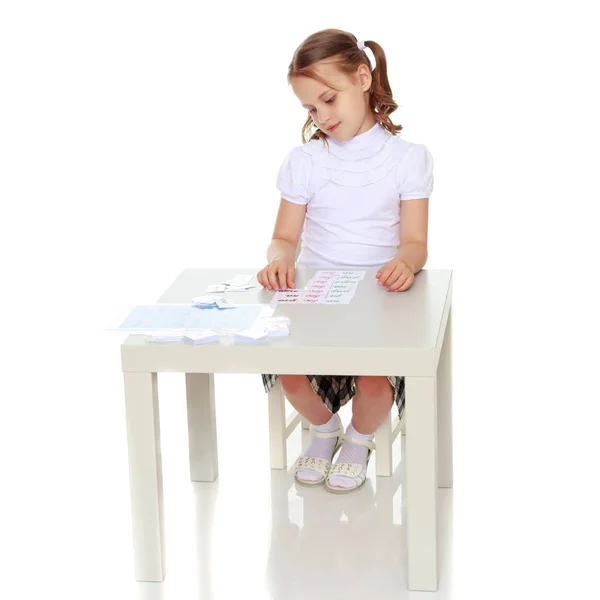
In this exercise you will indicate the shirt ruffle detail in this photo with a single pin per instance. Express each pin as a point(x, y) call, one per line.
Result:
point(355, 168)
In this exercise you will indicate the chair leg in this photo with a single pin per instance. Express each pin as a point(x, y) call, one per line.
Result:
point(277, 427)
point(383, 447)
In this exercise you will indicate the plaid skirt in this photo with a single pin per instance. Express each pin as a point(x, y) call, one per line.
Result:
point(337, 390)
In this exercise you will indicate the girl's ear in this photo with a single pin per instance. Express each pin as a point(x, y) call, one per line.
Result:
point(364, 77)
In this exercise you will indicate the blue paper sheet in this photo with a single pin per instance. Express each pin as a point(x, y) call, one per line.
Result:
point(156, 317)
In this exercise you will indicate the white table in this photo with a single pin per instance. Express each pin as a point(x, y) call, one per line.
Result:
point(378, 333)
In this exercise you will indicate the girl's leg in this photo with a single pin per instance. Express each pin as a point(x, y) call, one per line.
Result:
point(302, 397)
point(371, 403)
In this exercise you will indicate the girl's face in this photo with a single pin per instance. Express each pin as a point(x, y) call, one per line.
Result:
point(347, 110)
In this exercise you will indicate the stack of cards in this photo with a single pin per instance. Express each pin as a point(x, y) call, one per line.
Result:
point(240, 283)
point(254, 335)
point(211, 302)
point(205, 336)
point(201, 336)
point(263, 329)
point(175, 335)
point(276, 326)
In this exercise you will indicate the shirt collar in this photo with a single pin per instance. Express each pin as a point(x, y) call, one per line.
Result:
point(371, 137)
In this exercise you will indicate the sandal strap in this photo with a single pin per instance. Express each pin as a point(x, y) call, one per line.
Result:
point(354, 440)
point(327, 434)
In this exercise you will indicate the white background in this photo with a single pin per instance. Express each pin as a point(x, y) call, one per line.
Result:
point(138, 139)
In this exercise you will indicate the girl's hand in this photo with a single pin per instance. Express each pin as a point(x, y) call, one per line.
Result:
point(277, 275)
point(396, 276)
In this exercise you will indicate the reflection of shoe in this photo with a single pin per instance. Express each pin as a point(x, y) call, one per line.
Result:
point(321, 465)
point(351, 470)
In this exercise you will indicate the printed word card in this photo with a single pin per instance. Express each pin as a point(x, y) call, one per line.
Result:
point(325, 287)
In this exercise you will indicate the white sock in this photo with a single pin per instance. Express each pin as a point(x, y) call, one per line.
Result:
point(320, 447)
point(351, 453)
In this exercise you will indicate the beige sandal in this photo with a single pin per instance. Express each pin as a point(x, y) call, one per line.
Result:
point(352, 470)
point(321, 465)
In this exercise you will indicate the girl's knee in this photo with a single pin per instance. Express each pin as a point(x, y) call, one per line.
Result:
point(294, 384)
point(372, 386)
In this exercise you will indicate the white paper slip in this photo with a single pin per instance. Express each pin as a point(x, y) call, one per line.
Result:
point(212, 302)
point(223, 287)
point(205, 300)
point(224, 303)
point(161, 339)
point(275, 326)
point(241, 288)
point(278, 330)
point(216, 288)
point(202, 337)
point(174, 336)
point(251, 336)
point(239, 280)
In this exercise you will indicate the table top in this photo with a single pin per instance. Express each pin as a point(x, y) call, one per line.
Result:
point(388, 325)
point(375, 318)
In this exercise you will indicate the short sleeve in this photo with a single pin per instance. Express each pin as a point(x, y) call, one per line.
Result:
point(415, 175)
point(294, 175)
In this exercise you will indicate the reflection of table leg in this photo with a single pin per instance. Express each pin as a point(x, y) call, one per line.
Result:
point(145, 475)
point(444, 377)
point(421, 482)
point(202, 426)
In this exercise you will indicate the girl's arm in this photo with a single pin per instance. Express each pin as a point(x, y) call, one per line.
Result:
point(414, 217)
point(287, 232)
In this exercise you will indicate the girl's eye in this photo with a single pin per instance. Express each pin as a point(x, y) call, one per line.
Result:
point(327, 101)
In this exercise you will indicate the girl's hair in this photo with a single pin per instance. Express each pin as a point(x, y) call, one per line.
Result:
point(340, 48)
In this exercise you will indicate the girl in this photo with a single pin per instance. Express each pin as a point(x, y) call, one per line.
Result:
point(359, 195)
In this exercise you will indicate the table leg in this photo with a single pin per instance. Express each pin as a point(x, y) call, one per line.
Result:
point(444, 377)
point(202, 426)
point(145, 475)
point(421, 479)
point(277, 426)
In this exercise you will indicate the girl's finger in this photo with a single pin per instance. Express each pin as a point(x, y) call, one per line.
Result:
point(392, 283)
point(282, 278)
point(385, 272)
point(392, 276)
point(408, 283)
point(290, 277)
point(272, 278)
point(398, 285)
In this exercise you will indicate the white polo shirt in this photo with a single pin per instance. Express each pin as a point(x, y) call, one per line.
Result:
point(353, 193)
